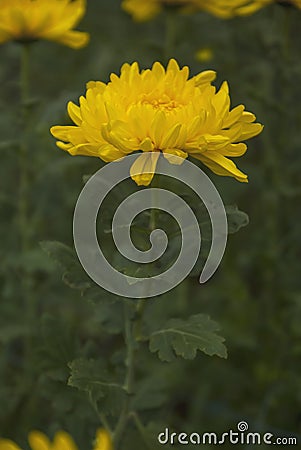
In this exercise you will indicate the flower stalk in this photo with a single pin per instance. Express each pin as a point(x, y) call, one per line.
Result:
point(129, 376)
point(25, 227)
point(170, 34)
point(23, 160)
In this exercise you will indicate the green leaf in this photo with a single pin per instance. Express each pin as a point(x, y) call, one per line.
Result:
point(73, 273)
point(184, 338)
point(151, 393)
point(56, 345)
point(236, 219)
point(92, 377)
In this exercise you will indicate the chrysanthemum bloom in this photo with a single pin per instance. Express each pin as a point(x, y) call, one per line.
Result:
point(53, 20)
point(157, 111)
point(61, 441)
point(142, 10)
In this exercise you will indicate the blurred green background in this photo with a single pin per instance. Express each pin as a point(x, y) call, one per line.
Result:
point(255, 296)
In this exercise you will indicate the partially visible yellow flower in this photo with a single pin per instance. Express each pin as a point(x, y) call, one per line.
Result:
point(53, 20)
point(61, 441)
point(142, 10)
point(204, 54)
point(159, 111)
point(252, 6)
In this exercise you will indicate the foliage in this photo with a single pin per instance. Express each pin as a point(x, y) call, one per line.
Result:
point(184, 338)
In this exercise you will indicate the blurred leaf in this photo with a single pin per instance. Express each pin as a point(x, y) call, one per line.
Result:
point(13, 331)
point(236, 219)
point(74, 275)
point(151, 393)
point(93, 378)
point(184, 338)
point(55, 348)
point(108, 309)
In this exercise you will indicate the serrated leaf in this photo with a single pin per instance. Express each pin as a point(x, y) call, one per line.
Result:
point(236, 219)
point(92, 377)
point(184, 338)
point(73, 274)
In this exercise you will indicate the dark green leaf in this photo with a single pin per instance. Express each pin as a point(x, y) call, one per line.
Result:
point(93, 378)
point(184, 338)
point(73, 273)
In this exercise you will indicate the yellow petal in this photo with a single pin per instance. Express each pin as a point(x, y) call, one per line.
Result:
point(74, 39)
point(222, 166)
point(234, 150)
point(63, 441)
point(74, 113)
point(250, 130)
point(204, 77)
point(6, 444)
point(251, 8)
point(174, 155)
point(147, 145)
point(233, 116)
point(38, 441)
point(103, 440)
point(143, 169)
point(170, 138)
point(172, 66)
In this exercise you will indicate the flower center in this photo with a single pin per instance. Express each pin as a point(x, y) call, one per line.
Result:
point(164, 103)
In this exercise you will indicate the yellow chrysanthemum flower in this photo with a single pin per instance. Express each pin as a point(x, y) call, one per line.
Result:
point(61, 441)
point(157, 111)
point(142, 10)
point(53, 20)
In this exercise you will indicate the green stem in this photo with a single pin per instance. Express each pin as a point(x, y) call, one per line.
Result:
point(140, 427)
point(153, 211)
point(129, 376)
point(23, 160)
point(170, 35)
point(138, 322)
point(102, 417)
point(25, 229)
point(130, 345)
point(286, 39)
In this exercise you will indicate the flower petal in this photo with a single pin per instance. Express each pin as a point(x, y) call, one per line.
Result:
point(222, 166)
point(143, 169)
point(7, 444)
point(38, 441)
point(73, 39)
point(103, 440)
point(63, 441)
point(174, 155)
